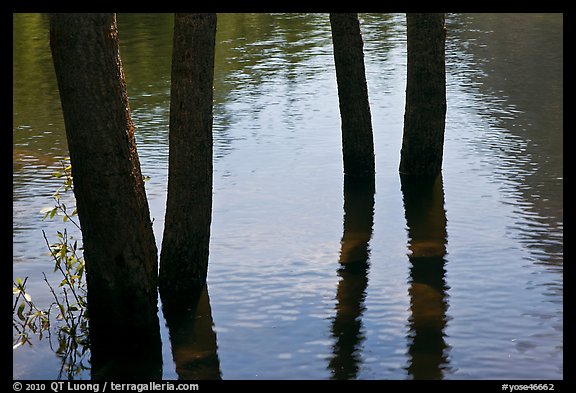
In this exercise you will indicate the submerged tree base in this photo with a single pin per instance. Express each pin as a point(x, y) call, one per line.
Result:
point(118, 353)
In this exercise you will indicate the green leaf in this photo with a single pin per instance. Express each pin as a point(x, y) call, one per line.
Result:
point(19, 281)
point(21, 311)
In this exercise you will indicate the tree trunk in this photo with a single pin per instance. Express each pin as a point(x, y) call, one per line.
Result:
point(185, 245)
point(424, 118)
point(357, 138)
point(119, 247)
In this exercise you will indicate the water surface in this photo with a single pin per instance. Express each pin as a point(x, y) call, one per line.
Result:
point(462, 280)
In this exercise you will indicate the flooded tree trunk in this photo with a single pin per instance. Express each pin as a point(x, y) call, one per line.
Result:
point(119, 246)
point(357, 137)
point(424, 118)
point(185, 245)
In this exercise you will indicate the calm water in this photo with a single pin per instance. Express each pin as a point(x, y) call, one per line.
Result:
point(464, 283)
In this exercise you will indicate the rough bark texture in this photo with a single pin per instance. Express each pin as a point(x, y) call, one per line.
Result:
point(424, 118)
point(185, 245)
point(119, 247)
point(357, 138)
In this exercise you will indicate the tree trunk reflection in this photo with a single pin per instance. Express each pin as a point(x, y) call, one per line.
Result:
point(351, 292)
point(193, 340)
point(133, 355)
point(426, 221)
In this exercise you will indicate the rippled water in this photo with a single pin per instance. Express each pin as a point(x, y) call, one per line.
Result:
point(468, 286)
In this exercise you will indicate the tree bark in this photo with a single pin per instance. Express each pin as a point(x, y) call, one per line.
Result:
point(424, 118)
point(119, 247)
point(185, 245)
point(357, 137)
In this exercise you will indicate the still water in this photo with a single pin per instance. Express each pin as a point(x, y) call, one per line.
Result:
point(461, 282)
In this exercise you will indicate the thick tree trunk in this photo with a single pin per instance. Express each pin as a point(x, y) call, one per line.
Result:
point(119, 247)
point(357, 138)
point(185, 245)
point(424, 118)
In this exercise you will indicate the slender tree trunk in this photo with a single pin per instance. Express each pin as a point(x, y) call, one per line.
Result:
point(424, 118)
point(357, 138)
point(185, 245)
point(119, 247)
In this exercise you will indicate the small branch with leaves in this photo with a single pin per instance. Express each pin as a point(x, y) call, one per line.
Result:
point(70, 323)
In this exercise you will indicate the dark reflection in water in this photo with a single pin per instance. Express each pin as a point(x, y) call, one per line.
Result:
point(193, 340)
point(117, 354)
point(351, 292)
point(426, 221)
